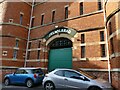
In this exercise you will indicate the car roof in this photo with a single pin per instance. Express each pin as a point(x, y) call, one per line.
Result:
point(64, 69)
point(29, 68)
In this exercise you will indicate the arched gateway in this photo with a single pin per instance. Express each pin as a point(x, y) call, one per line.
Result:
point(60, 48)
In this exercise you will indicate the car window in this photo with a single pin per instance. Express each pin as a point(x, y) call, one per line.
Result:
point(88, 75)
point(21, 71)
point(59, 73)
point(37, 71)
point(71, 74)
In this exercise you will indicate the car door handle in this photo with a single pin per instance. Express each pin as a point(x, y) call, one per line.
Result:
point(66, 79)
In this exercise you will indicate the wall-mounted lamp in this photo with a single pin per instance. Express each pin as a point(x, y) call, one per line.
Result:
point(56, 26)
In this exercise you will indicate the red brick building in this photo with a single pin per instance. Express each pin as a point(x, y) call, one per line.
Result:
point(58, 34)
point(113, 28)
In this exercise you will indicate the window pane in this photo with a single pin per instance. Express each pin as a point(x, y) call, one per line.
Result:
point(81, 8)
point(21, 18)
point(38, 56)
point(66, 12)
point(82, 38)
point(19, 71)
point(32, 23)
point(28, 56)
point(99, 5)
point(53, 16)
point(112, 46)
point(29, 45)
point(37, 71)
point(42, 19)
point(103, 50)
point(17, 42)
point(15, 54)
point(59, 73)
point(101, 35)
point(110, 28)
point(71, 74)
point(60, 43)
point(82, 51)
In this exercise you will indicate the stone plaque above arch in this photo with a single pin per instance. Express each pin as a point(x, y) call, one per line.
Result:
point(60, 30)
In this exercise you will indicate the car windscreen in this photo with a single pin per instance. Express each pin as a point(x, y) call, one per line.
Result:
point(39, 71)
point(87, 75)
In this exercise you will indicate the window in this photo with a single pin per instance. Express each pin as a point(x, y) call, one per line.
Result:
point(37, 71)
point(99, 5)
point(21, 19)
point(81, 8)
point(18, 71)
point(42, 19)
point(60, 43)
point(103, 50)
point(10, 20)
point(59, 73)
point(53, 16)
point(82, 38)
point(28, 56)
point(17, 42)
point(101, 35)
point(66, 12)
point(29, 45)
point(82, 51)
point(71, 74)
point(15, 54)
point(112, 46)
point(39, 44)
point(32, 23)
point(21, 72)
point(38, 56)
point(110, 28)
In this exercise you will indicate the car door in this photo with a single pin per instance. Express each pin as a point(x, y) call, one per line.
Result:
point(19, 76)
point(75, 80)
point(58, 79)
point(15, 77)
point(22, 76)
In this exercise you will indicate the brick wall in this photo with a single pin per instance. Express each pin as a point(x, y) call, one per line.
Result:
point(113, 17)
point(6, 71)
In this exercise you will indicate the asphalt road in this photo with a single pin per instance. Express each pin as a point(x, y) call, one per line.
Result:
point(21, 87)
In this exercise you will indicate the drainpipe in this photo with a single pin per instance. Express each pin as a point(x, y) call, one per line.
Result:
point(25, 63)
point(107, 49)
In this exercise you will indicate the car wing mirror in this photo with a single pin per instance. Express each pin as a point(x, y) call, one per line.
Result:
point(14, 73)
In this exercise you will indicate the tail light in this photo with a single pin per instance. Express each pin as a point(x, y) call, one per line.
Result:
point(35, 76)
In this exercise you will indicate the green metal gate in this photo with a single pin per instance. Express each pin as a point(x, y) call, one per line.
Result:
point(60, 58)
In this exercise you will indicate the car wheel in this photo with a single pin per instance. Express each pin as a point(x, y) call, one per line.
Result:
point(94, 88)
point(49, 86)
point(29, 83)
point(7, 82)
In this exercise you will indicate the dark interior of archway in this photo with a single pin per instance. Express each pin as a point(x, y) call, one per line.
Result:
point(60, 43)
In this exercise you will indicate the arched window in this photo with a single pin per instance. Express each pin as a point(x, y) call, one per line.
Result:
point(60, 43)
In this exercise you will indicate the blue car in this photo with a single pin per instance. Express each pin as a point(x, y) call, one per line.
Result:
point(27, 76)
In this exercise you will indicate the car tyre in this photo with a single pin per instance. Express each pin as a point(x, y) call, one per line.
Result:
point(29, 83)
point(49, 86)
point(94, 88)
point(7, 82)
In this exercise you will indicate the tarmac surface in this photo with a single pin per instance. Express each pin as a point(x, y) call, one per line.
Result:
point(20, 87)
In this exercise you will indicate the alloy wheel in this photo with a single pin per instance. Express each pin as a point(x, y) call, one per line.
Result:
point(29, 83)
point(49, 86)
point(7, 82)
